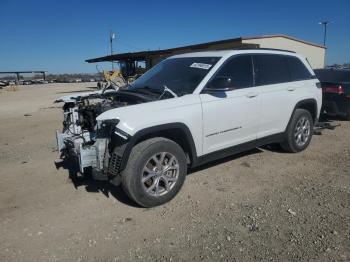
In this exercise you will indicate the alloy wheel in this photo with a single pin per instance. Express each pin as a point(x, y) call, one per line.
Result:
point(302, 131)
point(160, 174)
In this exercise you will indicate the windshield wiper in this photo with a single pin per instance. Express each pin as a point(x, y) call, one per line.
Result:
point(154, 91)
point(167, 89)
point(144, 90)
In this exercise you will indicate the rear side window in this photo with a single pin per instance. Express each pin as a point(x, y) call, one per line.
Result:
point(297, 69)
point(270, 69)
point(240, 70)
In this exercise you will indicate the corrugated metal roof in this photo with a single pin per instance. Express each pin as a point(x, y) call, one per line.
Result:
point(189, 48)
point(142, 54)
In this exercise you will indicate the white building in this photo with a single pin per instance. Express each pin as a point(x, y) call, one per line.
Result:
point(313, 52)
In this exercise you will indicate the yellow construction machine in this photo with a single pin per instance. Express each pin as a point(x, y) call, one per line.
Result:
point(128, 72)
point(113, 79)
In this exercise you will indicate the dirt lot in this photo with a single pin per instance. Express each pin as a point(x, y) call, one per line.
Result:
point(258, 206)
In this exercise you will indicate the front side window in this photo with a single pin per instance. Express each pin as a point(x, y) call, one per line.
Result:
point(270, 69)
point(239, 70)
point(181, 75)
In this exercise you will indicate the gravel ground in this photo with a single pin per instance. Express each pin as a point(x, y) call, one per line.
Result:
point(258, 206)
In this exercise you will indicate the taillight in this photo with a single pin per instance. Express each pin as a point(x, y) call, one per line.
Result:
point(338, 89)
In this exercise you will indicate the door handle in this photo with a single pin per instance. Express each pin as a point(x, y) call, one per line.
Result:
point(251, 95)
point(291, 89)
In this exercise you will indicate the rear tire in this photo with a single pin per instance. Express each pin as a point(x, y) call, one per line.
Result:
point(155, 172)
point(299, 131)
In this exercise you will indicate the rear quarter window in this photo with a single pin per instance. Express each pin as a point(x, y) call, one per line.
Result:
point(297, 69)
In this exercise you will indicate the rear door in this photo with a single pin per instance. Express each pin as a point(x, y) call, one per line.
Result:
point(273, 78)
point(231, 118)
point(302, 82)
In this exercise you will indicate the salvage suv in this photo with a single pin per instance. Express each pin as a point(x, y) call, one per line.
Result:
point(188, 110)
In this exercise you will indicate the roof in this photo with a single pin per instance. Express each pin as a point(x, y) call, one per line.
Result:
point(216, 53)
point(142, 54)
point(135, 56)
point(222, 53)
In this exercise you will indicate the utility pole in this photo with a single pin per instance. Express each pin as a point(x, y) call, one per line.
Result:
point(325, 24)
point(111, 38)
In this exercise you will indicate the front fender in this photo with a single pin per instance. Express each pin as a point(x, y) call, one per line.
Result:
point(121, 153)
point(186, 110)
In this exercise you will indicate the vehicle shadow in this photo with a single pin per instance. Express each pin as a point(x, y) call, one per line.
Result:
point(224, 160)
point(324, 123)
point(329, 118)
point(108, 189)
point(91, 185)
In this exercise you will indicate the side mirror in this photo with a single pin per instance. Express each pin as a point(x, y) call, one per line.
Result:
point(220, 84)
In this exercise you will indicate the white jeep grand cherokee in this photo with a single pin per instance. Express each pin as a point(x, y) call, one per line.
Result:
point(187, 110)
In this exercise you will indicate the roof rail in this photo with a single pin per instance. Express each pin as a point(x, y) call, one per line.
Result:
point(272, 49)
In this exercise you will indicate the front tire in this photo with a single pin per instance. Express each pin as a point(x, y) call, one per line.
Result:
point(299, 131)
point(155, 172)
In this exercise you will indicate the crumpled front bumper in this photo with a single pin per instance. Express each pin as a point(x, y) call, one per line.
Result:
point(94, 155)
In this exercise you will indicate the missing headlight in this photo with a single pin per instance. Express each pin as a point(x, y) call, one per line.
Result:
point(106, 128)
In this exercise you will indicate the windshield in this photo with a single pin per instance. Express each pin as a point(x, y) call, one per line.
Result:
point(180, 75)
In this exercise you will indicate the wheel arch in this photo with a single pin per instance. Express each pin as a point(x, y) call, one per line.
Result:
point(177, 132)
point(309, 105)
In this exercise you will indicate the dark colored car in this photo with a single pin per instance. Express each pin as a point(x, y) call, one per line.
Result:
point(336, 91)
point(3, 84)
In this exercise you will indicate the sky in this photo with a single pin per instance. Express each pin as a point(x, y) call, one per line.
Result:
point(58, 36)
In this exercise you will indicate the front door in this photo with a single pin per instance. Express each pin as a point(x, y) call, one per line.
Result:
point(231, 117)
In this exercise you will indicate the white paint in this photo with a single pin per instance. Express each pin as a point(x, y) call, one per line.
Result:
point(265, 113)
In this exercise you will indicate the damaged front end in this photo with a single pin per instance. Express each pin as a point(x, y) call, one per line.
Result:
point(96, 145)
point(89, 148)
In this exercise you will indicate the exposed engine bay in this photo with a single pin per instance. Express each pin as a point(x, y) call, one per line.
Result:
point(82, 112)
point(84, 137)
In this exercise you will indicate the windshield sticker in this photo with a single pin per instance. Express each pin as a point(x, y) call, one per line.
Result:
point(201, 66)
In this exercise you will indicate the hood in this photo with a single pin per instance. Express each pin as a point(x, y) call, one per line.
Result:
point(136, 117)
point(71, 98)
